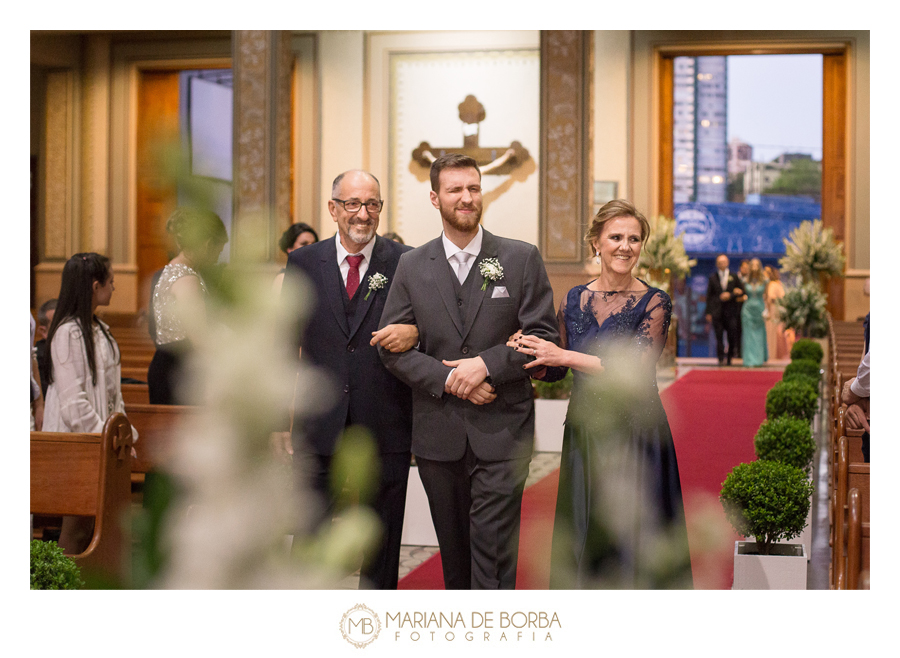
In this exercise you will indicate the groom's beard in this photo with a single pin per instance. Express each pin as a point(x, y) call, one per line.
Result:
point(463, 222)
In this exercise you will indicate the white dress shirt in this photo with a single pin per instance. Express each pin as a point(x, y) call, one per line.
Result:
point(473, 248)
point(365, 252)
point(860, 385)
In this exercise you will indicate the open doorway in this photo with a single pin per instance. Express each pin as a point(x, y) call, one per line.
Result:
point(184, 122)
point(746, 165)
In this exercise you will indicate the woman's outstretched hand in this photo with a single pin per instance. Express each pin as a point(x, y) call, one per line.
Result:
point(544, 352)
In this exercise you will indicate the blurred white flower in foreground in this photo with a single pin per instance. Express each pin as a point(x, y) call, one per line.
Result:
point(237, 503)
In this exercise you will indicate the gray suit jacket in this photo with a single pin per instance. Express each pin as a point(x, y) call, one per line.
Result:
point(423, 293)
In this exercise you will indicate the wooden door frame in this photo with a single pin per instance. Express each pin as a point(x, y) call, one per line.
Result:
point(835, 131)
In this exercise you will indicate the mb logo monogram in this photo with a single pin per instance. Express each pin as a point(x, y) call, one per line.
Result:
point(360, 626)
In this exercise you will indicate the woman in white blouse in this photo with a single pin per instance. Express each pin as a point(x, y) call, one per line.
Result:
point(85, 370)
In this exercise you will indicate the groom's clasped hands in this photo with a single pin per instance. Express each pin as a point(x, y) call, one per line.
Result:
point(467, 381)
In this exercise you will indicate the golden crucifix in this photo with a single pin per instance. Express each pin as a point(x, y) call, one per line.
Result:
point(491, 160)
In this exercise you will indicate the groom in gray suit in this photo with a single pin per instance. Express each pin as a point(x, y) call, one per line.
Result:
point(468, 291)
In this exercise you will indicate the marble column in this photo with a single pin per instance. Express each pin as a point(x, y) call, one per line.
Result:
point(565, 143)
point(262, 141)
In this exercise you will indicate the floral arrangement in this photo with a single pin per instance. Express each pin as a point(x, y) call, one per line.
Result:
point(377, 281)
point(491, 270)
point(803, 309)
point(663, 257)
point(812, 253)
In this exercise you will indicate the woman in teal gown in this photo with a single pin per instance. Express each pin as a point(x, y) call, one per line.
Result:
point(754, 350)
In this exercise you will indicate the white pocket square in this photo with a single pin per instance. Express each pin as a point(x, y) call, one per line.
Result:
point(499, 291)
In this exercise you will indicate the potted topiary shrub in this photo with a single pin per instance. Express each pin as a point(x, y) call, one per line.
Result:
point(806, 368)
point(807, 349)
point(794, 397)
point(767, 500)
point(550, 406)
point(51, 568)
point(789, 440)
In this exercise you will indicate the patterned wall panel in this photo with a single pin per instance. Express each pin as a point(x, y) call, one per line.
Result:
point(565, 143)
point(58, 165)
point(262, 62)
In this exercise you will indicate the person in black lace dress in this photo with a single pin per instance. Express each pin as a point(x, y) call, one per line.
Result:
point(619, 516)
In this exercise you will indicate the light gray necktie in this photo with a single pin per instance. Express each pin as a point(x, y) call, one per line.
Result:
point(462, 268)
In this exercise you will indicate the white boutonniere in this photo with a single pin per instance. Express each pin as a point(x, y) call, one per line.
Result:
point(376, 282)
point(491, 271)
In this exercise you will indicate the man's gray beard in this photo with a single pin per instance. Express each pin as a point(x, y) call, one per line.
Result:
point(354, 234)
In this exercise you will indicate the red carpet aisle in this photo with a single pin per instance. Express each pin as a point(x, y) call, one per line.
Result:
point(714, 415)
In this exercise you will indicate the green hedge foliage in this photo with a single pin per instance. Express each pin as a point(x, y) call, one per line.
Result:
point(788, 440)
point(51, 569)
point(803, 368)
point(794, 397)
point(767, 500)
point(806, 348)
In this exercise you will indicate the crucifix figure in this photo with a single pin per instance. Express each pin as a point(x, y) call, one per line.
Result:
point(491, 160)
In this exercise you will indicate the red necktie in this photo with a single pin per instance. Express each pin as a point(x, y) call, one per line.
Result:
point(353, 274)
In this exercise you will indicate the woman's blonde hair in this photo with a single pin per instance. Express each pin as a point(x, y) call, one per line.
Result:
point(613, 210)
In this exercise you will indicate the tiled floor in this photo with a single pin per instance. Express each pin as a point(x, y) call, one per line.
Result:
point(543, 463)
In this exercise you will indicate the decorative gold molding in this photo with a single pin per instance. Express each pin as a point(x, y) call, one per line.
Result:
point(58, 165)
point(306, 133)
point(94, 156)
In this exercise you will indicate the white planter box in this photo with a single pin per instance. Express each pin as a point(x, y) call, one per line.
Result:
point(784, 568)
point(418, 529)
point(549, 417)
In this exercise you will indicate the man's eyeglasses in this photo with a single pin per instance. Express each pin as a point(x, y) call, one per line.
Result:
point(352, 205)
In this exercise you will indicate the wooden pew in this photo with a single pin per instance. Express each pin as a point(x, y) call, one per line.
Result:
point(88, 475)
point(851, 476)
point(858, 538)
point(138, 373)
point(846, 341)
point(156, 425)
point(135, 394)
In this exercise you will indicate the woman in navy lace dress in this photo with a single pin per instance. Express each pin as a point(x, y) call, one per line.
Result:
point(619, 515)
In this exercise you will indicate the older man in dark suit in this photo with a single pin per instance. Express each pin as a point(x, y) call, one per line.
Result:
point(723, 309)
point(351, 275)
point(473, 408)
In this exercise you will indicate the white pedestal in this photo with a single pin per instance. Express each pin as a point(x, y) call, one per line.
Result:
point(784, 568)
point(549, 417)
point(418, 530)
